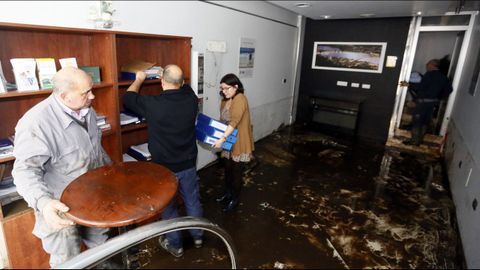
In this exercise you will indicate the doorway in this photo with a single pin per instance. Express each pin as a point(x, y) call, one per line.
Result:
point(433, 37)
point(442, 45)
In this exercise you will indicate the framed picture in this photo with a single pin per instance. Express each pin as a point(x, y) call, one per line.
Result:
point(349, 56)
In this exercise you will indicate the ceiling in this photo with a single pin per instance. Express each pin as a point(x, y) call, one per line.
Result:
point(374, 9)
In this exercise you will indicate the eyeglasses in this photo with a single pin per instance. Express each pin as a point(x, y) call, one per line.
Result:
point(226, 88)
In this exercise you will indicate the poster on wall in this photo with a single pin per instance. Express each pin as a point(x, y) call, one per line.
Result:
point(247, 57)
point(349, 56)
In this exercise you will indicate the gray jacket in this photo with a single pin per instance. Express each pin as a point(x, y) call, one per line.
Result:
point(52, 150)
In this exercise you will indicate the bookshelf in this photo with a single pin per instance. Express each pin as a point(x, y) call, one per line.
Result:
point(107, 49)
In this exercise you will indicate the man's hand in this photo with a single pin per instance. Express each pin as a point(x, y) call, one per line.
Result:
point(52, 214)
point(140, 76)
point(404, 83)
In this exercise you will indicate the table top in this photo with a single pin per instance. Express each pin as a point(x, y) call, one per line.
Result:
point(120, 194)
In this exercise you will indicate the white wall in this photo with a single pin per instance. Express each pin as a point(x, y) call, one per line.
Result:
point(433, 45)
point(275, 33)
point(462, 155)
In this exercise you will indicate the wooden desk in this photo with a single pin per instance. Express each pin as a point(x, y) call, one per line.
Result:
point(119, 195)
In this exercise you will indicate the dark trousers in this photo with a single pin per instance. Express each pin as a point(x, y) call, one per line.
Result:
point(421, 119)
point(189, 189)
point(233, 177)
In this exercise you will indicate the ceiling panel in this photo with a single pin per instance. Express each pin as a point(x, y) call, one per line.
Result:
point(376, 9)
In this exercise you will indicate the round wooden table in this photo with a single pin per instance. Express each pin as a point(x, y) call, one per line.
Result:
point(120, 194)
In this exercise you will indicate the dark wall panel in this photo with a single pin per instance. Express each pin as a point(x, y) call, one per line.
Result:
point(378, 101)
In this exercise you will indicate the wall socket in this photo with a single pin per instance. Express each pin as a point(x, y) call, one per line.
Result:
point(217, 46)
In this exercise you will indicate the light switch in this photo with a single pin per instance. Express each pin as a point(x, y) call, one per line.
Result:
point(391, 61)
point(342, 83)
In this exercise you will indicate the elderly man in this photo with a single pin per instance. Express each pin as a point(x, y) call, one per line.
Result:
point(171, 119)
point(56, 141)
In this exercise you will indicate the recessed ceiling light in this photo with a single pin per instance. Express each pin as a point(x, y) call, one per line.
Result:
point(302, 5)
point(419, 13)
point(326, 16)
point(367, 15)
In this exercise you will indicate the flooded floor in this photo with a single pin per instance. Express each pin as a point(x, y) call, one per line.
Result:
point(317, 202)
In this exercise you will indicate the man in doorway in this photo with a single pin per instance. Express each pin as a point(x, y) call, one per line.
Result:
point(171, 117)
point(433, 87)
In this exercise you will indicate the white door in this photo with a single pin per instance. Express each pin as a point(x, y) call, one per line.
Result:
point(428, 38)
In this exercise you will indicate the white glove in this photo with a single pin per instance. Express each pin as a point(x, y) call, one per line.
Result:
point(53, 215)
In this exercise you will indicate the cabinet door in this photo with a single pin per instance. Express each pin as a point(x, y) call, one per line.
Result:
point(24, 250)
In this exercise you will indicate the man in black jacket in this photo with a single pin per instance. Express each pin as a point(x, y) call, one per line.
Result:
point(171, 119)
point(433, 87)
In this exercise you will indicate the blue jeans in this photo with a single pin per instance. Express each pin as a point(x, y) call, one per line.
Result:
point(189, 189)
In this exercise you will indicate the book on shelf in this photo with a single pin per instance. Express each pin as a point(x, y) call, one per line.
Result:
point(127, 157)
point(94, 72)
point(3, 82)
point(102, 122)
point(155, 72)
point(6, 148)
point(24, 72)
point(105, 126)
point(101, 119)
point(68, 62)
point(140, 152)
point(8, 191)
point(5, 143)
point(127, 117)
point(129, 70)
point(46, 70)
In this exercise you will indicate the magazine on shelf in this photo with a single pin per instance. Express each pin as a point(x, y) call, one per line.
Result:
point(68, 62)
point(24, 72)
point(46, 70)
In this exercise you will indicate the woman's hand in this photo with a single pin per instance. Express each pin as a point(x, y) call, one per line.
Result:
point(219, 143)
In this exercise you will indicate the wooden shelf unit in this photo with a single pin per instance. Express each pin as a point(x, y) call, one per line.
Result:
point(109, 50)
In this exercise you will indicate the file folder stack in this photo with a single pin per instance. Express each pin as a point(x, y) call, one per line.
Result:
point(209, 130)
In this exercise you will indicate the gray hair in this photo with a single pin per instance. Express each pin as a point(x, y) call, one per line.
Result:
point(173, 74)
point(62, 84)
point(67, 78)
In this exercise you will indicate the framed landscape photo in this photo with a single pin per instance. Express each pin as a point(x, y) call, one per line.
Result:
point(349, 56)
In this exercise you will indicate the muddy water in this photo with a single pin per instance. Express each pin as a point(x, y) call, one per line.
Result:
point(314, 201)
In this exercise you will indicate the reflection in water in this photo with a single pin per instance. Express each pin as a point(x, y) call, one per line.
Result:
point(318, 202)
